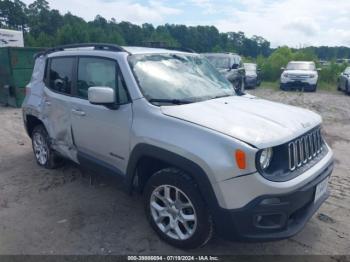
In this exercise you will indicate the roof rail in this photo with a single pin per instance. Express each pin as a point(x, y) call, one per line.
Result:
point(96, 46)
point(183, 49)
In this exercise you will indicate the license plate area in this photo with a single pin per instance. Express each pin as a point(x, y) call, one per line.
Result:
point(321, 189)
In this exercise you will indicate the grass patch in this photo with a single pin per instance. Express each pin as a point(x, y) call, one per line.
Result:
point(270, 85)
point(327, 86)
point(324, 86)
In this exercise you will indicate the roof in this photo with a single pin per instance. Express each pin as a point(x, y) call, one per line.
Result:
point(134, 50)
point(308, 62)
point(58, 50)
point(219, 54)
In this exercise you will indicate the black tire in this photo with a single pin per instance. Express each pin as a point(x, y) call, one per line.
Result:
point(347, 88)
point(283, 87)
point(52, 160)
point(314, 88)
point(176, 178)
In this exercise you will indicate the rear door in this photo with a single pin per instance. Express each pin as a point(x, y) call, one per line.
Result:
point(101, 133)
point(56, 102)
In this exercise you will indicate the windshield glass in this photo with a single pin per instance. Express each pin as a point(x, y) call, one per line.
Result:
point(178, 77)
point(250, 67)
point(219, 61)
point(301, 66)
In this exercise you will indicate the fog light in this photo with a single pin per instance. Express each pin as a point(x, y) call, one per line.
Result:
point(269, 221)
point(270, 201)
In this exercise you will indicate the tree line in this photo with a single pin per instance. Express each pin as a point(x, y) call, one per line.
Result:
point(44, 27)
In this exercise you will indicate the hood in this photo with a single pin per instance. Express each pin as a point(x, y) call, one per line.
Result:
point(300, 72)
point(251, 73)
point(223, 71)
point(255, 121)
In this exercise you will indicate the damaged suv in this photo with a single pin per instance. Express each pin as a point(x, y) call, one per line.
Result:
point(172, 127)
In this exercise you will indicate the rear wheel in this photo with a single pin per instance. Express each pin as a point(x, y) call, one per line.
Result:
point(176, 210)
point(43, 153)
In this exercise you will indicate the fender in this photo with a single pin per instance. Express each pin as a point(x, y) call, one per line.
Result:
point(197, 173)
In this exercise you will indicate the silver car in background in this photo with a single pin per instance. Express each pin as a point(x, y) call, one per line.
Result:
point(344, 81)
point(299, 75)
point(252, 75)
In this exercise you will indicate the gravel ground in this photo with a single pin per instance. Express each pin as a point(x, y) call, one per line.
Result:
point(67, 212)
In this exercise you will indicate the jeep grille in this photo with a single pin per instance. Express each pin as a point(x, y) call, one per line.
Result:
point(305, 148)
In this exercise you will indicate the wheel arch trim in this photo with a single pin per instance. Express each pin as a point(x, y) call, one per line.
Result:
point(177, 161)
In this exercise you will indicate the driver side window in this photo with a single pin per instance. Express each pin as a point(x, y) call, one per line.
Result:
point(94, 71)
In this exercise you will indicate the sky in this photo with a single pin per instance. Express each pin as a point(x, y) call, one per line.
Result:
point(295, 23)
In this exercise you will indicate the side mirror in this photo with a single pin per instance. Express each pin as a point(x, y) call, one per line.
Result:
point(235, 66)
point(101, 95)
point(319, 69)
point(283, 68)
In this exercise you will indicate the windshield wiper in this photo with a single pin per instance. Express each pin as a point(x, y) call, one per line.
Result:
point(221, 96)
point(171, 101)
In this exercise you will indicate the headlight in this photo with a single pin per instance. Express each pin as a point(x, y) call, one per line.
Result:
point(265, 158)
point(285, 75)
point(312, 76)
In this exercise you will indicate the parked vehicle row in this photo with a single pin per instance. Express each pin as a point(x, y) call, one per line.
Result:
point(205, 156)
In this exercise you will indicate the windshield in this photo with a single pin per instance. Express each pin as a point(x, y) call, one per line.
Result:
point(220, 61)
point(250, 67)
point(301, 66)
point(178, 77)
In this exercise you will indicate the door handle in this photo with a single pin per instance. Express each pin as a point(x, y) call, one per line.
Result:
point(78, 112)
point(48, 103)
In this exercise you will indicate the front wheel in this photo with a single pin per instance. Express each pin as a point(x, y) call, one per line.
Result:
point(176, 210)
point(239, 86)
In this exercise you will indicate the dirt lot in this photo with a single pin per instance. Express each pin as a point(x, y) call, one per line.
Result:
point(60, 212)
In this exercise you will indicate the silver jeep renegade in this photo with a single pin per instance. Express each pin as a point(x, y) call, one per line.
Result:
point(206, 159)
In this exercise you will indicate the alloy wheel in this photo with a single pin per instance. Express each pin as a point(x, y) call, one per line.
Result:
point(41, 149)
point(173, 212)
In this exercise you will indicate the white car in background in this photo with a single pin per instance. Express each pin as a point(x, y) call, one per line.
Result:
point(299, 75)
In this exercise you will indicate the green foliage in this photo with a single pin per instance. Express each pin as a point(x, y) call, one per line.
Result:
point(45, 27)
point(271, 67)
point(330, 74)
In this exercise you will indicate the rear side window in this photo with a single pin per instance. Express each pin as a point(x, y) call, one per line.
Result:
point(61, 74)
point(95, 72)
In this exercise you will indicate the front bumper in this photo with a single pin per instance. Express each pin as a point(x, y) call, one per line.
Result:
point(298, 85)
point(251, 82)
point(280, 220)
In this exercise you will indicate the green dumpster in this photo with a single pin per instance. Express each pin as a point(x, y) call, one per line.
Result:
point(16, 66)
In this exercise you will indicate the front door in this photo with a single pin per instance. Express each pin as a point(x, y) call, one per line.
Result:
point(99, 132)
point(56, 104)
